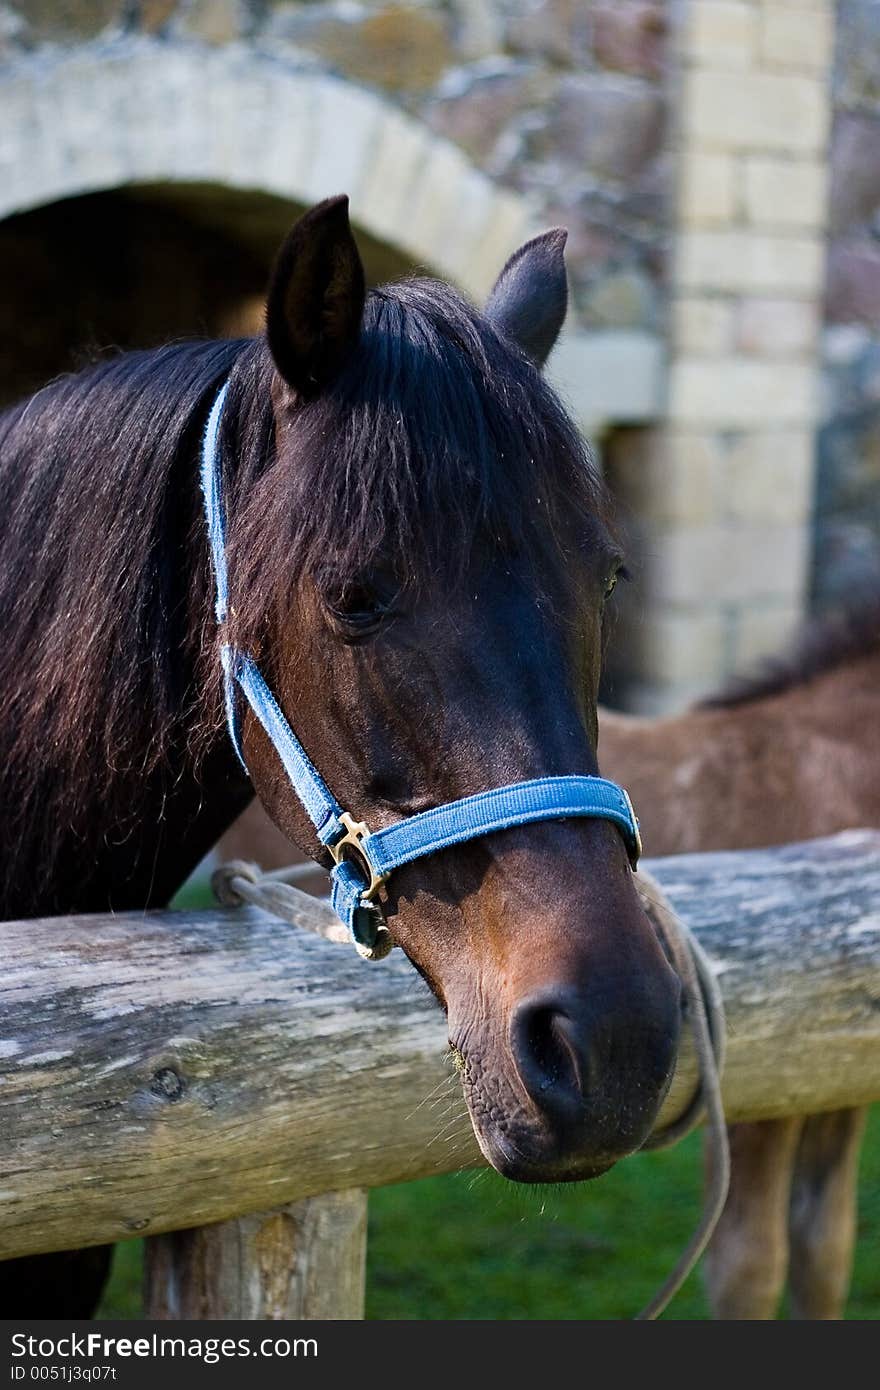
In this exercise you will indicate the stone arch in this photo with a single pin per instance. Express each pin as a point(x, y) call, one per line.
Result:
point(138, 265)
point(129, 111)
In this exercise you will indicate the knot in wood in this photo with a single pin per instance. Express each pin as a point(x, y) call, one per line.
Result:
point(167, 1084)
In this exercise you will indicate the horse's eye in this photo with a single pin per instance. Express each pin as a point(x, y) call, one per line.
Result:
point(361, 605)
point(611, 585)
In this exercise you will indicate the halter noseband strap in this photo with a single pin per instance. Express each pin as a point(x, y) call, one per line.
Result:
point(364, 860)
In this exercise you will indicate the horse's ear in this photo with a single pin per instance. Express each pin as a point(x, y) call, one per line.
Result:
point(316, 298)
point(530, 296)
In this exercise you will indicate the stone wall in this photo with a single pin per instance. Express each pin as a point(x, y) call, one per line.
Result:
point(847, 530)
point(685, 145)
point(560, 100)
point(721, 494)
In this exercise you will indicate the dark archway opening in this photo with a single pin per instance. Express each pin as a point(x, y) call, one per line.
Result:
point(139, 266)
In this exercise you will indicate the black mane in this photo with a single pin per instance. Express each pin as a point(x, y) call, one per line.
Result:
point(827, 643)
point(438, 436)
point(95, 471)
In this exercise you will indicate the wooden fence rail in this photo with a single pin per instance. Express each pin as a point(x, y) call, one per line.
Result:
point(168, 1070)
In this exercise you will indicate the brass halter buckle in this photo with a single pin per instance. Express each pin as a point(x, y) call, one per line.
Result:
point(356, 831)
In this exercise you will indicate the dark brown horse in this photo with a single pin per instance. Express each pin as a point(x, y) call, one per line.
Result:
point(788, 756)
point(420, 556)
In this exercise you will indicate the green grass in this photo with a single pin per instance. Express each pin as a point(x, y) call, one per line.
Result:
point(470, 1245)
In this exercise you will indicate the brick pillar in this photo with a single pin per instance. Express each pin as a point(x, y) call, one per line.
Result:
point(721, 493)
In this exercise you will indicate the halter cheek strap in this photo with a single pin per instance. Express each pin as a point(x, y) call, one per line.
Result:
point(364, 860)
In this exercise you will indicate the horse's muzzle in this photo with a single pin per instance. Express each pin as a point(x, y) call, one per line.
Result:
point(584, 1082)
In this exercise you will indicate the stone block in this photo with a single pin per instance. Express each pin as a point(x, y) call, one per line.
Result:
point(857, 57)
point(700, 326)
point(509, 224)
point(346, 122)
point(458, 248)
point(609, 125)
point(785, 193)
point(734, 563)
point(426, 224)
point(755, 111)
point(769, 327)
point(855, 169)
point(71, 19)
point(153, 15)
point(474, 108)
point(246, 132)
point(478, 29)
point(852, 291)
point(630, 36)
point(18, 179)
point(743, 262)
point(722, 32)
point(560, 30)
point(399, 47)
point(391, 200)
point(215, 21)
point(707, 188)
point(734, 392)
point(769, 477)
point(796, 37)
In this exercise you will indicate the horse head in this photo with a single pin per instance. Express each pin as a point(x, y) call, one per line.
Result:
point(422, 567)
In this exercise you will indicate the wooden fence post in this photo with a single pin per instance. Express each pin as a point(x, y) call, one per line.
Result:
point(303, 1261)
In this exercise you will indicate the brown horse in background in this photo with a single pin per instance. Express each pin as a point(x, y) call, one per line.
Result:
point(792, 755)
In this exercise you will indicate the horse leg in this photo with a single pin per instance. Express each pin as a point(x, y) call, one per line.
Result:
point(66, 1284)
point(823, 1213)
point(746, 1261)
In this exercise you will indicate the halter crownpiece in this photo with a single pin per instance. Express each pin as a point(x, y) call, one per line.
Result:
point(363, 860)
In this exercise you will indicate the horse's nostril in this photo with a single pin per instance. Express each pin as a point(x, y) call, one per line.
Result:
point(549, 1058)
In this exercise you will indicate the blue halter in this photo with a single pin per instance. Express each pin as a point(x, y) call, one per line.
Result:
point(364, 860)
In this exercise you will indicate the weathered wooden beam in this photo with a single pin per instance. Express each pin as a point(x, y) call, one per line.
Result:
point(171, 1070)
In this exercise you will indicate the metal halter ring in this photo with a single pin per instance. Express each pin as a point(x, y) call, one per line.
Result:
point(356, 831)
point(635, 852)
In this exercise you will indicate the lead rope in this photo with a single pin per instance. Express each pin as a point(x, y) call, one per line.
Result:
point(706, 1013)
point(238, 882)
